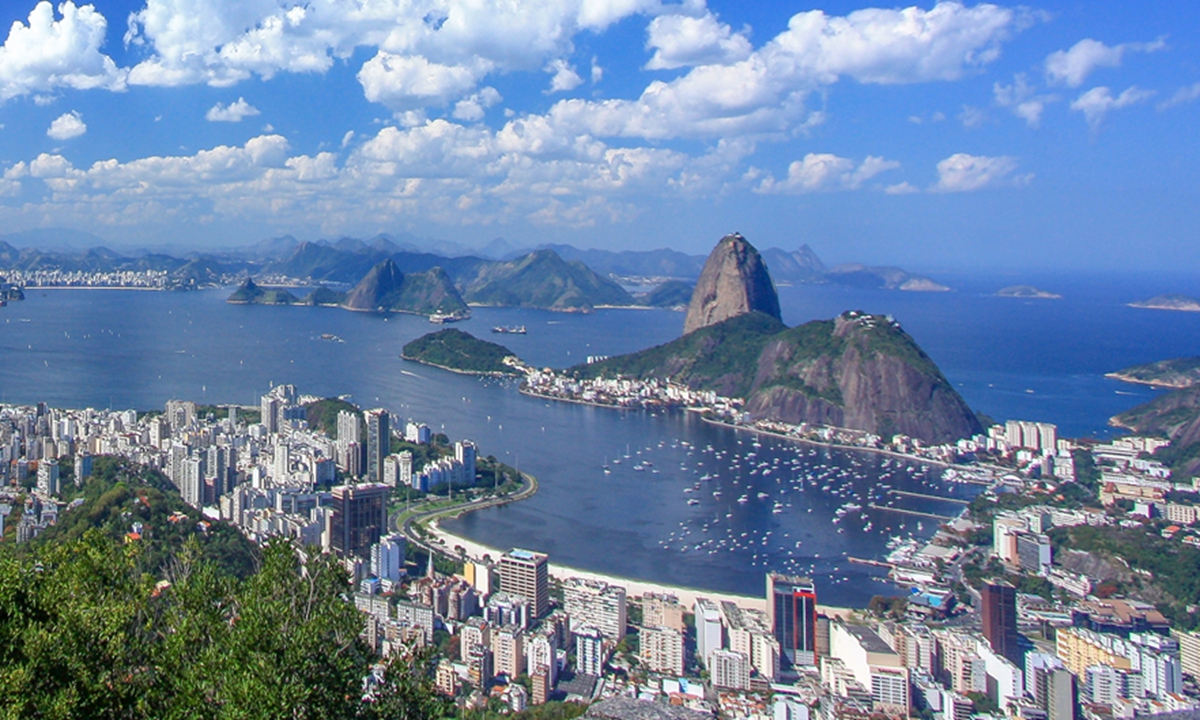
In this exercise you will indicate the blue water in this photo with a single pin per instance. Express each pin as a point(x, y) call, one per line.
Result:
point(1036, 359)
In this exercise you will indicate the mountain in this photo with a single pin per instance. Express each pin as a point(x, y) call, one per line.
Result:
point(856, 371)
point(324, 297)
point(323, 263)
point(644, 263)
point(1175, 416)
point(671, 294)
point(799, 266)
point(734, 282)
point(543, 279)
point(252, 294)
point(803, 267)
point(883, 278)
point(1169, 302)
point(1176, 373)
point(385, 287)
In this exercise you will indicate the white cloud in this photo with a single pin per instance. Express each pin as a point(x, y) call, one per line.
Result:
point(679, 40)
point(824, 171)
point(965, 173)
point(1096, 103)
point(404, 83)
point(1022, 99)
point(49, 53)
point(235, 112)
point(597, 72)
point(1072, 67)
point(347, 138)
point(972, 117)
point(472, 108)
point(67, 126)
point(902, 188)
point(1182, 95)
point(564, 77)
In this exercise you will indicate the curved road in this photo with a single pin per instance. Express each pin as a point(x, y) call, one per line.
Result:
point(529, 486)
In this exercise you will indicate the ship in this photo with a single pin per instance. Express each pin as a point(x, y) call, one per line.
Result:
point(441, 318)
point(509, 330)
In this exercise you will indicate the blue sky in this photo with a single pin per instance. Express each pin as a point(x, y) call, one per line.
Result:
point(1055, 135)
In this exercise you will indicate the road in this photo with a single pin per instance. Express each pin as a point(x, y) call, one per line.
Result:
point(529, 486)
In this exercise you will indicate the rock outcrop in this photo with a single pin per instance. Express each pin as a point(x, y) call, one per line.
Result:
point(734, 282)
point(385, 288)
point(856, 371)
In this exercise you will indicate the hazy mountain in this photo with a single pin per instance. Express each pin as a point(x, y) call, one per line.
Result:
point(799, 266)
point(543, 279)
point(644, 263)
point(385, 287)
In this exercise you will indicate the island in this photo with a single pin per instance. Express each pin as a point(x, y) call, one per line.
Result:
point(251, 293)
point(1182, 303)
point(462, 352)
point(1176, 373)
point(1027, 291)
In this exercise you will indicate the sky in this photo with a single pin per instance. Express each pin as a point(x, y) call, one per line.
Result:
point(1056, 135)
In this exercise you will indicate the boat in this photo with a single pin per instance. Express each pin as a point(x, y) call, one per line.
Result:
point(331, 337)
point(743, 500)
point(442, 318)
point(509, 329)
point(693, 501)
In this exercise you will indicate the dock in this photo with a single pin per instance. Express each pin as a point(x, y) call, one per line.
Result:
point(923, 496)
point(917, 513)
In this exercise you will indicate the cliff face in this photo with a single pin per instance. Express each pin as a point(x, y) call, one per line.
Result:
point(734, 282)
point(858, 371)
point(868, 375)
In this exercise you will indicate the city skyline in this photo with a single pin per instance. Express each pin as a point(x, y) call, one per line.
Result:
point(943, 135)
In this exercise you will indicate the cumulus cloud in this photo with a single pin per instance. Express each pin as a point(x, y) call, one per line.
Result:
point(965, 173)
point(472, 108)
point(824, 171)
point(1072, 67)
point(413, 82)
point(439, 171)
point(564, 78)
point(1095, 104)
point(1022, 99)
point(902, 188)
point(234, 112)
point(67, 126)
point(49, 53)
point(679, 40)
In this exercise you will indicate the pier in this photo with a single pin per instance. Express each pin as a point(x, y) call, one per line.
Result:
point(923, 496)
point(918, 513)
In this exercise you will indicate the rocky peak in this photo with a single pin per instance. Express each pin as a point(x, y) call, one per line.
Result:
point(734, 282)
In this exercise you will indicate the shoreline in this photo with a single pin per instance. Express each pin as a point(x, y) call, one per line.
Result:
point(1148, 383)
point(839, 446)
point(456, 371)
point(633, 587)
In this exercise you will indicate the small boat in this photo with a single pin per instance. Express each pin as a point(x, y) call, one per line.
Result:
point(509, 329)
point(693, 501)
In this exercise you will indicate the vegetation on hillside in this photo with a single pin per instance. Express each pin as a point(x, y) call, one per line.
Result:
point(183, 621)
point(252, 294)
point(672, 293)
point(457, 350)
point(322, 415)
point(1174, 373)
point(542, 279)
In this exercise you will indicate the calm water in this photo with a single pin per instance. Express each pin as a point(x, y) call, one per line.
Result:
point(1041, 360)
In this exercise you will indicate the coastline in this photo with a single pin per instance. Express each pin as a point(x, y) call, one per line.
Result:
point(1149, 383)
point(456, 371)
point(633, 587)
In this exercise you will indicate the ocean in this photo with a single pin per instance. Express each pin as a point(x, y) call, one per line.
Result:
point(1010, 358)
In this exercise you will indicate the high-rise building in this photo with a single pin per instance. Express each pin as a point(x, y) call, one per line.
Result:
point(464, 452)
point(661, 650)
point(596, 604)
point(387, 558)
point(358, 519)
point(709, 636)
point(590, 655)
point(48, 477)
point(1062, 695)
point(269, 414)
point(348, 428)
point(999, 611)
point(526, 574)
point(379, 441)
point(729, 669)
point(792, 614)
point(508, 648)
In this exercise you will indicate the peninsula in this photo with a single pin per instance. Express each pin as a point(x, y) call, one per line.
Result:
point(461, 352)
point(1176, 373)
point(1181, 303)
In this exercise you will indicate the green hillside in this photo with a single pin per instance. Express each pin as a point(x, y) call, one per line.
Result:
point(460, 351)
